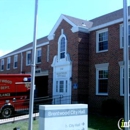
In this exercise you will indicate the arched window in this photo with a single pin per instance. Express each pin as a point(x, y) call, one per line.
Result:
point(62, 48)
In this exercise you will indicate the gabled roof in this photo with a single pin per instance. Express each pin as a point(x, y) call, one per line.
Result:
point(74, 22)
point(28, 46)
point(110, 17)
point(79, 22)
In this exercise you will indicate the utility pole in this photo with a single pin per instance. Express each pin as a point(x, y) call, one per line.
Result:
point(33, 69)
point(126, 63)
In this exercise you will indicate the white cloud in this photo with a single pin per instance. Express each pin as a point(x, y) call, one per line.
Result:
point(3, 52)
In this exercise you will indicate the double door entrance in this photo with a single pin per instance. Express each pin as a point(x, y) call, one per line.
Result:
point(61, 91)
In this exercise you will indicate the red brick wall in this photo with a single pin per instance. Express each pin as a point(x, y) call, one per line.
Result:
point(112, 56)
point(77, 47)
point(26, 69)
point(12, 70)
point(83, 67)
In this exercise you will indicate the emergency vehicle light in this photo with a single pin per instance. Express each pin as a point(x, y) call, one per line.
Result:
point(7, 101)
point(27, 79)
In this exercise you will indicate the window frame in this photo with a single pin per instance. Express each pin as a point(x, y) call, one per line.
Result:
point(97, 40)
point(48, 51)
point(15, 61)
point(2, 64)
point(121, 77)
point(8, 63)
point(38, 49)
point(27, 62)
point(100, 67)
point(59, 45)
point(121, 34)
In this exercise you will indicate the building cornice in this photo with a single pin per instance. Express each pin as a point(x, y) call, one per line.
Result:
point(24, 50)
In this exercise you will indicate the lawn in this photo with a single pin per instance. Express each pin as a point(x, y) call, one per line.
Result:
point(95, 122)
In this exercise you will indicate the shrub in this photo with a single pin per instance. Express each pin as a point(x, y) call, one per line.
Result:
point(112, 107)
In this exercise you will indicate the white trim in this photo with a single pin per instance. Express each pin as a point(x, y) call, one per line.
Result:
point(27, 52)
point(15, 57)
point(103, 66)
point(79, 29)
point(97, 40)
point(38, 49)
point(59, 44)
point(8, 62)
point(107, 24)
point(48, 53)
point(24, 50)
point(121, 64)
point(62, 17)
point(51, 37)
point(2, 64)
point(121, 28)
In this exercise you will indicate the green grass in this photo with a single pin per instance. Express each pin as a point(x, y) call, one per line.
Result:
point(23, 125)
point(98, 122)
point(95, 122)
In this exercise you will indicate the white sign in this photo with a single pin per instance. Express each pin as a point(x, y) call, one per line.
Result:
point(61, 74)
point(63, 117)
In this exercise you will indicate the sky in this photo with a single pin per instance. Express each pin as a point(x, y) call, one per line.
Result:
point(17, 17)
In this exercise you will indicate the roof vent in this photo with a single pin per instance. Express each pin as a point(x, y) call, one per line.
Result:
point(83, 24)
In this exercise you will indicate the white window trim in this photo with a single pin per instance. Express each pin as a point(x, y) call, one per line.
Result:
point(2, 63)
point(15, 57)
point(121, 25)
point(97, 40)
point(8, 62)
point(28, 52)
point(121, 75)
point(37, 55)
point(48, 51)
point(98, 67)
point(59, 41)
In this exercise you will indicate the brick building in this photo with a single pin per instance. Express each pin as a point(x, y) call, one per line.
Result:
point(81, 60)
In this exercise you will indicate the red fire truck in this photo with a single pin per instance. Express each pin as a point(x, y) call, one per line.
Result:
point(14, 93)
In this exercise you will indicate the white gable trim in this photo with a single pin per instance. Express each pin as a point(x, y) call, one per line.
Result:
point(62, 17)
point(79, 29)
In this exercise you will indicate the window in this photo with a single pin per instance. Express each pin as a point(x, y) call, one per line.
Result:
point(61, 89)
point(122, 78)
point(15, 61)
point(38, 59)
point(48, 51)
point(122, 35)
point(62, 46)
point(102, 40)
point(102, 79)
point(56, 86)
point(2, 64)
point(28, 58)
point(66, 86)
point(8, 63)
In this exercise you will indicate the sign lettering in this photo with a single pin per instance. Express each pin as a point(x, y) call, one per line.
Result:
point(4, 87)
point(5, 81)
point(4, 94)
point(61, 74)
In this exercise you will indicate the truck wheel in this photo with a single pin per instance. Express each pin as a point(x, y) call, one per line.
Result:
point(6, 112)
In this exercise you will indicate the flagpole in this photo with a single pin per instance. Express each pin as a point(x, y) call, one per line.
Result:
point(33, 69)
point(126, 63)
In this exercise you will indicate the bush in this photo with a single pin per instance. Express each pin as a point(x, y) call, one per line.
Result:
point(112, 107)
